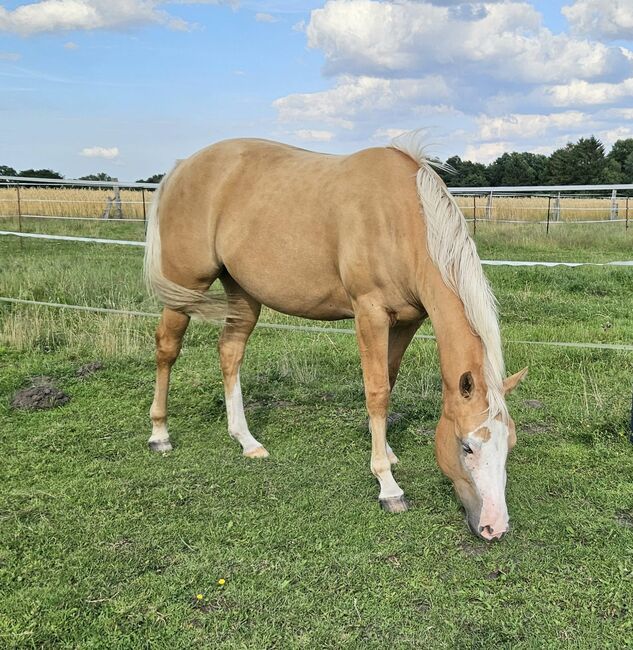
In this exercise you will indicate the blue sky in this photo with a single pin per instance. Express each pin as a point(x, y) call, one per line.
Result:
point(128, 86)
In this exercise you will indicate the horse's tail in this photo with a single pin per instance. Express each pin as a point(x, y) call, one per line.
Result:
point(193, 302)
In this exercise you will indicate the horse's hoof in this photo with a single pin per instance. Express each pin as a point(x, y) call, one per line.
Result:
point(258, 452)
point(160, 446)
point(394, 504)
point(393, 459)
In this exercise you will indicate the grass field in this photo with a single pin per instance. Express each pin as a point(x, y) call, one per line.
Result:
point(104, 545)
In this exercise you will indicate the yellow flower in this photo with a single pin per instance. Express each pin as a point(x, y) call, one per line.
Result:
point(199, 596)
point(221, 581)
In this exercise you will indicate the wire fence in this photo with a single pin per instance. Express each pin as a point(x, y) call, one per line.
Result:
point(116, 201)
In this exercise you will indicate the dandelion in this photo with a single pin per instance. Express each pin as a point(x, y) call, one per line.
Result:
point(221, 582)
point(199, 597)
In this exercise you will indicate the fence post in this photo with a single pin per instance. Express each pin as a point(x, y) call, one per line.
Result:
point(143, 195)
point(118, 214)
point(613, 213)
point(549, 203)
point(17, 188)
point(474, 215)
point(557, 208)
point(626, 219)
point(489, 206)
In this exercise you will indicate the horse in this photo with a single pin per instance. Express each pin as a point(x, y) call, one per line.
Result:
point(374, 236)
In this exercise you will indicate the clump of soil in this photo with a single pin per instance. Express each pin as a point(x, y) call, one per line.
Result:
point(40, 395)
point(89, 369)
point(534, 403)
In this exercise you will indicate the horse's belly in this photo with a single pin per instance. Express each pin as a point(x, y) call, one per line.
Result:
point(298, 285)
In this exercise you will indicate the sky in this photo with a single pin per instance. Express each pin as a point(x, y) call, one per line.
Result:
point(129, 86)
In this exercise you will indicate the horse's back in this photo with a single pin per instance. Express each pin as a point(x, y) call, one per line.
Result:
point(293, 227)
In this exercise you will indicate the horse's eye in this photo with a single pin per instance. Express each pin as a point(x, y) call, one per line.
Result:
point(467, 449)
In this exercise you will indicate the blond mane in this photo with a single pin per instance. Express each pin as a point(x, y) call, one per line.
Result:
point(454, 253)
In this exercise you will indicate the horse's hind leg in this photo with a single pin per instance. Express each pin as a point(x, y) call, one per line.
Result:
point(171, 329)
point(243, 312)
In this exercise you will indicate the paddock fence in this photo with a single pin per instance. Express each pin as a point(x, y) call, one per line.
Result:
point(116, 201)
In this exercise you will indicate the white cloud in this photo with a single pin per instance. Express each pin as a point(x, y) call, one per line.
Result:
point(578, 92)
point(353, 96)
point(71, 46)
point(63, 15)
point(606, 19)
point(265, 18)
point(505, 41)
point(314, 135)
point(486, 152)
point(10, 56)
point(387, 133)
point(109, 153)
point(524, 126)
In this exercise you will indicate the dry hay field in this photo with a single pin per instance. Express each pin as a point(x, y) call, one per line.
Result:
point(83, 202)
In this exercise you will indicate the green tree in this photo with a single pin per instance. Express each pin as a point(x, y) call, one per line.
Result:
point(156, 178)
point(621, 158)
point(101, 176)
point(611, 172)
point(7, 171)
point(518, 169)
point(577, 164)
point(40, 173)
point(467, 174)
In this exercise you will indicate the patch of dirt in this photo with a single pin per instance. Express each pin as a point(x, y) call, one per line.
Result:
point(42, 394)
point(89, 369)
point(624, 518)
point(533, 404)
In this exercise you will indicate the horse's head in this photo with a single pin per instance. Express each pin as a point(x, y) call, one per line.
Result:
point(471, 449)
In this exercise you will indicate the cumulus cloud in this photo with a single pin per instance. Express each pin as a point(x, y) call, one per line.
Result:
point(578, 92)
point(506, 41)
point(486, 152)
point(484, 77)
point(354, 96)
point(524, 126)
point(71, 46)
point(109, 153)
point(605, 19)
point(63, 15)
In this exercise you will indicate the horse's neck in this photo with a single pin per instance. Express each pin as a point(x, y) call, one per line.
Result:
point(460, 350)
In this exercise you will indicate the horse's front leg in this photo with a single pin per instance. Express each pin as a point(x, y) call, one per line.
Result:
point(372, 331)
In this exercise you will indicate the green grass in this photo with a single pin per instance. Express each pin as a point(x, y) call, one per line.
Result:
point(104, 545)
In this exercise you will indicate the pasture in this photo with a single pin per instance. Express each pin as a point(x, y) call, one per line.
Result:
point(104, 544)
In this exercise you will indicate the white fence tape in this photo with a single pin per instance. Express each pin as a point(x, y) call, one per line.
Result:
point(126, 242)
point(92, 240)
point(620, 347)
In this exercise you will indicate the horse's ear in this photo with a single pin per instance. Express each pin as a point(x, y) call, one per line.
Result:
point(511, 382)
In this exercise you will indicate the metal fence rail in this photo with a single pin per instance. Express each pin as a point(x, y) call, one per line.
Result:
point(503, 205)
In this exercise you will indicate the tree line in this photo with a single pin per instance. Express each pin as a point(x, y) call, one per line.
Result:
point(577, 163)
point(5, 170)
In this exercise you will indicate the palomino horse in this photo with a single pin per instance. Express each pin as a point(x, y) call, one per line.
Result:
point(373, 236)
